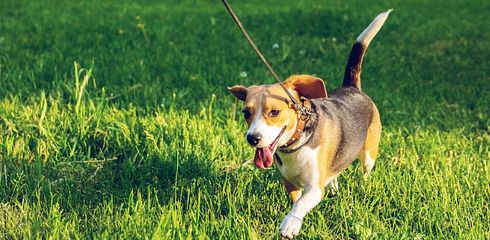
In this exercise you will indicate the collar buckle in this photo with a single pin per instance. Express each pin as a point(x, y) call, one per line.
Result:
point(304, 115)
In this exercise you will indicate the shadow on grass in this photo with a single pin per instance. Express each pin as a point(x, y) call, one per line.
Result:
point(87, 183)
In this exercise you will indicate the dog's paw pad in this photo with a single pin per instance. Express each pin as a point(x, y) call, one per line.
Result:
point(290, 227)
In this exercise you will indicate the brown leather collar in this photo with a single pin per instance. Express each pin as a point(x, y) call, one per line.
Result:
point(300, 126)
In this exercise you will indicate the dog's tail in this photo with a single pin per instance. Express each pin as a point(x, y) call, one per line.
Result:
point(352, 76)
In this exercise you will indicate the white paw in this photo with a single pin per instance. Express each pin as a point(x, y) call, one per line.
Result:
point(290, 227)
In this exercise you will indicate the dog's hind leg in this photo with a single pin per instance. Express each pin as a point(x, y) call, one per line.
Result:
point(333, 187)
point(369, 151)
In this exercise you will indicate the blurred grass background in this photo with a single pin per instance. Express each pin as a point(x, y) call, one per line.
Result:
point(115, 121)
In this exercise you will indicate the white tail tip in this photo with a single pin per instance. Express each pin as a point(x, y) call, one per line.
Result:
point(368, 34)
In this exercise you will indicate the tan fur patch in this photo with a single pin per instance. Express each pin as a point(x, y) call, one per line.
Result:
point(293, 192)
point(329, 145)
point(372, 141)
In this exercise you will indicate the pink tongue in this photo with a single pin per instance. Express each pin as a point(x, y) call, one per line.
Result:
point(263, 157)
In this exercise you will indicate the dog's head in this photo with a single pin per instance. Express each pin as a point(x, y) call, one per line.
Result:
point(271, 116)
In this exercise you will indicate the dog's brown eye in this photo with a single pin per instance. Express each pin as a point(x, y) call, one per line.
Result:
point(246, 113)
point(273, 113)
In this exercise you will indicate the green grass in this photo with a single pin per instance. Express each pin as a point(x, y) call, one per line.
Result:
point(139, 140)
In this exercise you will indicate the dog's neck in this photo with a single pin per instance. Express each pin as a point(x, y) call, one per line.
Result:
point(305, 135)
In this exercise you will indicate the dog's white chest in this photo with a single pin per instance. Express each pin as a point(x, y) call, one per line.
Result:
point(300, 167)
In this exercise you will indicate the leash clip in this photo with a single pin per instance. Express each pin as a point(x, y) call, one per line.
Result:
point(305, 112)
point(305, 116)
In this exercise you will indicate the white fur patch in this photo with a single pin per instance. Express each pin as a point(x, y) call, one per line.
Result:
point(291, 224)
point(269, 133)
point(368, 34)
point(368, 163)
point(312, 196)
point(300, 167)
point(334, 184)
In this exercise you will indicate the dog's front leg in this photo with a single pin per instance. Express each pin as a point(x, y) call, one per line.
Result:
point(291, 224)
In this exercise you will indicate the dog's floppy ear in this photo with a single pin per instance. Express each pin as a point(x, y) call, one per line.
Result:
point(239, 91)
point(307, 86)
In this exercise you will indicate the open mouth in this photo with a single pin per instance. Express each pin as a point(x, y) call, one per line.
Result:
point(263, 156)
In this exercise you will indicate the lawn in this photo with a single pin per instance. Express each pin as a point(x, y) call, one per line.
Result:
point(115, 121)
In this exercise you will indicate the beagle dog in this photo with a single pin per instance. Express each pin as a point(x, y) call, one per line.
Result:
point(311, 150)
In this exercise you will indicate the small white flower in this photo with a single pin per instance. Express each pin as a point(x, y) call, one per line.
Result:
point(243, 74)
point(334, 39)
point(275, 46)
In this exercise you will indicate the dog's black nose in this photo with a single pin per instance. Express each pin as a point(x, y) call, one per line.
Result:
point(254, 138)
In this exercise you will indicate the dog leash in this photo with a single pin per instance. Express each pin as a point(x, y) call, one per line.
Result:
point(304, 111)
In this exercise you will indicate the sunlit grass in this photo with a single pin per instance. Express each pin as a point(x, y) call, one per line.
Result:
point(115, 121)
